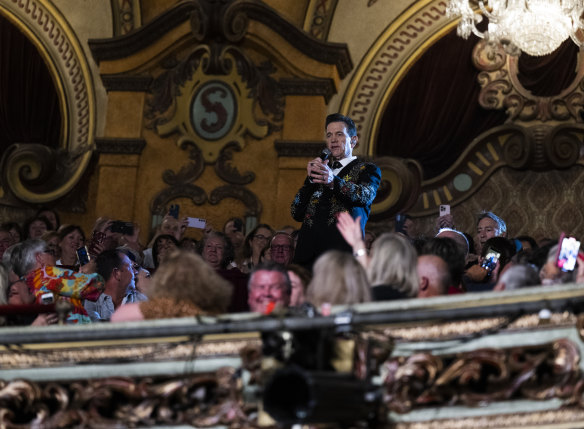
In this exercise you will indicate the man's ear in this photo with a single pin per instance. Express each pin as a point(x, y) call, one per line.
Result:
point(424, 283)
point(499, 287)
point(354, 141)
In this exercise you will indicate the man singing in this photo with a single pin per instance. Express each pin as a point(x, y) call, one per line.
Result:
point(341, 184)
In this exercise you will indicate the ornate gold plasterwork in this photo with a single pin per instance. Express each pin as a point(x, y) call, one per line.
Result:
point(483, 376)
point(28, 171)
point(201, 400)
point(22, 357)
point(541, 133)
point(213, 111)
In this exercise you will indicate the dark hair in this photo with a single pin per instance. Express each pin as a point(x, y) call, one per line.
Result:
point(68, 229)
point(337, 117)
point(303, 274)
point(272, 266)
point(471, 243)
point(235, 220)
point(7, 226)
point(155, 246)
point(106, 262)
point(48, 209)
point(33, 219)
point(501, 245)
point(529, 239)
point(228, 252)
point(447, 249)
point(247, 242)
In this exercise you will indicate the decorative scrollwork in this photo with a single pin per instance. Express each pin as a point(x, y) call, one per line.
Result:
point(229, 173)
point(482, 376)
point(249, 199)
point(198, 400)
point(562, 146)
point(488, 56)
point(399, 187)
point(184, 190)
point(518, 151)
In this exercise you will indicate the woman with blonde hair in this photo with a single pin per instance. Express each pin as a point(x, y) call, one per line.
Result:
point(184, 286)
point(392, 270)
point(338, 279)
point(392, 265)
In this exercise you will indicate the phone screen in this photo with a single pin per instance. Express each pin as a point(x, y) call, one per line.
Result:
point(568, 254)
point(82, 256)
point(490, 261)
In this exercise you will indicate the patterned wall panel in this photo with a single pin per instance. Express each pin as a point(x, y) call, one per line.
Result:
point(540, 204)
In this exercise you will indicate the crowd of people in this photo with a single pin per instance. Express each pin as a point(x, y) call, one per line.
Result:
point(332, 259)
point(230, 270)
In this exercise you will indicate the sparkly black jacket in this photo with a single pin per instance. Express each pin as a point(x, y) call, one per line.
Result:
point(317, 207)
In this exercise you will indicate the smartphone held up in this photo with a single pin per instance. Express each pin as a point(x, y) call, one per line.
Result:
point(568, 249)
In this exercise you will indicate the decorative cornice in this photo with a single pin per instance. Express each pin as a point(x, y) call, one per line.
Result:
point(298, 148)
point(126, 83)
point(123, 146)
point(120, 47)
point(136, 40)
point(324, 87)
point(326, 52)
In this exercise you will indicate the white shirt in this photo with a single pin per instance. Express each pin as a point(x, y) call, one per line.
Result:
point(344, 162)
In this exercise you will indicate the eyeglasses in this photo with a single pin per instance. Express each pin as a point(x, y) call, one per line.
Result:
point(281, 247)
point(261, 237)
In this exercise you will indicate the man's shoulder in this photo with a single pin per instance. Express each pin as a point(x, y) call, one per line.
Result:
point(363, 164)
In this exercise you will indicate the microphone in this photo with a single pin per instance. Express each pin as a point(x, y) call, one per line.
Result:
point(324, 155)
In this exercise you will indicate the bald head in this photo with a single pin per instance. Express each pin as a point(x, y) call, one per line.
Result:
point(433, 275)
point(457, 236)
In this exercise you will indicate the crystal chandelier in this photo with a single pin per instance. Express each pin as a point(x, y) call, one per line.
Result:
point(536, 27)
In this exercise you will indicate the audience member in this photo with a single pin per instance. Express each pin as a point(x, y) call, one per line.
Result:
point(35, 227)
point(392, 269)
point(217, 251)
point(52, 240)
point(188, 243)
point(51, 215)
point(458, 237)
point(489, 225)
point(169, 226)
point(299, 278)
point(15, 231)
point(163, 246)
point(116, 269)
point(481, 279)
point(36, 265)
point(517, 276)
point(258, 239)
point(337, 279)
point(71, 238)
point(369, 239)
point(550, 273)
point(234, 229)
point(434, 276)
point(5, 241)
point(282, 248)
point(184, 286)
point(269, 288)
point(452, 253)
point(528, 244)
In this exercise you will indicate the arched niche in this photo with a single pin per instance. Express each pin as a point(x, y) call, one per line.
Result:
point(33, 173)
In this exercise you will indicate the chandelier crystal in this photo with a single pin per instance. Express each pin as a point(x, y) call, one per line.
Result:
point(536, 27)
